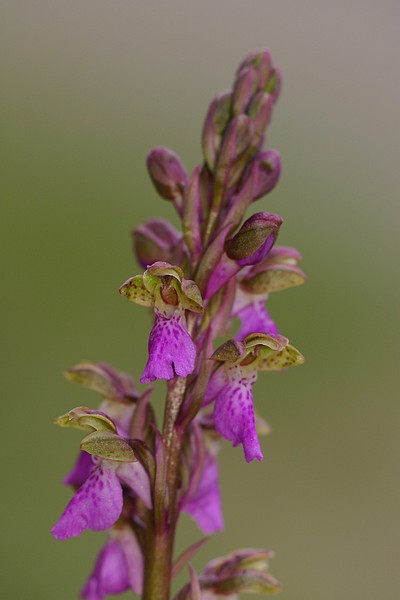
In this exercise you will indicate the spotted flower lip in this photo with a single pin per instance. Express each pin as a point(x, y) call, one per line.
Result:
point(234, 412)
point(171, 349)
point(97, 504)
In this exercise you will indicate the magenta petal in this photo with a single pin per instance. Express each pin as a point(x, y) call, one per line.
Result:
point(217, 381)
point(80, 471)
point(205, 505)
point(96, 505)
point(255, 319)
point(133, 558)
point(110, 574)
point(119, 567)
point(135, 477)
point(234, 413)
point(171, 350)
point(224, 271)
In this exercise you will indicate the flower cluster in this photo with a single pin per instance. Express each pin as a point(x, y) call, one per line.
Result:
point(132, 477)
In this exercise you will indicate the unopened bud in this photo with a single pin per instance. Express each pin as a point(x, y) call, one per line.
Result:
point(254, 239)
point(167, 173)
point(156, 240)
point(267, 174)
point(262, 63)
point(260, 111)
point(244, 88)
point(216, 121)
point(233, 154)
point(274, 84)
point(268, 76)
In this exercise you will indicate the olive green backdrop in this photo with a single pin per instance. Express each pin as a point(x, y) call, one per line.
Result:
point(88, 87)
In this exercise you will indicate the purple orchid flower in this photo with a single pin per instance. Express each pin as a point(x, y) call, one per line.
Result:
point(97, 504)
point(171, 349)
point(121, 415)
point(118, 568)
point(234, 410)
point(230, 385)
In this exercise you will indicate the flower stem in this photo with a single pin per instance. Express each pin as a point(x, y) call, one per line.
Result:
point(161, 533)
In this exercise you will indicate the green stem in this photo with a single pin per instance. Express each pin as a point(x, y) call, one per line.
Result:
point(158, 565)
point(161, 534)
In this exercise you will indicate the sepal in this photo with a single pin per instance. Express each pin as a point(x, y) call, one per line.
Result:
point(108, 445)
point(277, 272)
point(273, 341)
point(161, 285)
point(274, 278)
point(104, 379)
point(86, 419)
point(167, 173)
point(253, 346)
point(135, 290)
point(155, 240)
point(230, 351)
point(269, 360)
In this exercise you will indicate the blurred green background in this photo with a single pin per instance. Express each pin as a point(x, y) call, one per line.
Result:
point(88, 88)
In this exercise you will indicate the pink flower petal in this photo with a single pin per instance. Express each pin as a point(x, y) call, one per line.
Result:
point(234, 413)
point(205, 505)
point(80, 471)
point(171, 350)
point(255, 319)
point(110, 574)
point(96, 505)
point(134, 476)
